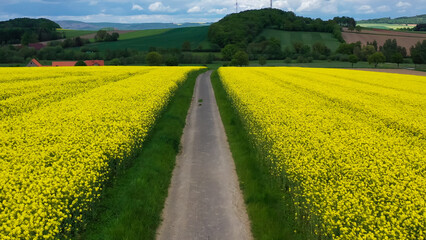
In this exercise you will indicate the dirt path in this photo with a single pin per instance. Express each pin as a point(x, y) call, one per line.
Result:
point(205, 201)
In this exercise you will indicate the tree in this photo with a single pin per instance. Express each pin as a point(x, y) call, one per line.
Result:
point(262, 61)
point(29, 37)
point(353, 59)
point(321, 49)
point(397, 58)
point(172, 61)
point(418, 52)
point(101, 36)
point(115, 36)
point(376, 58)
point(80, 63)
point(186, 46)
point(115, 62)
point(229, 51)
point(358, 28)
point(241, 58)
point(154, 59)
point(367, 51)
point(417, 59)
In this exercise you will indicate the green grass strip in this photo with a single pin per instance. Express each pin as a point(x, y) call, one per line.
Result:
point(270, 209)
point(131, 207)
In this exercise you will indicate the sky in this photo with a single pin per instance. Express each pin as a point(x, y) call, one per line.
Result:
point(141, 11)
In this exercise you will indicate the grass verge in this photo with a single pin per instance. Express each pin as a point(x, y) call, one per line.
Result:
point(131, 207)
point(269, 207)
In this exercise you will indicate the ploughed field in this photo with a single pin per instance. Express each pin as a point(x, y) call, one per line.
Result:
point(348, 145)
point(63, 134)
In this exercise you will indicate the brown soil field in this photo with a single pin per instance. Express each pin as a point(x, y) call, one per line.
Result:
point(403, 39)
point(399, 71)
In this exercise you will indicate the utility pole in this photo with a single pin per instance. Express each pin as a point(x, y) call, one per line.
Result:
point(236, 6)
point(271, 3)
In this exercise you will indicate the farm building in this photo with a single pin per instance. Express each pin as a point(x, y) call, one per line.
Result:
point(35, 63)
point(72, 63)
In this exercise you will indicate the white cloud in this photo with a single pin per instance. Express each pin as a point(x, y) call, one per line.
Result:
point(403, 4)
point(309, 5)
point(137, 7)
point(219, 11)
point(195, 9)
point(383, 8)
point(160, 7)
point(365, 9)
point(93, 3)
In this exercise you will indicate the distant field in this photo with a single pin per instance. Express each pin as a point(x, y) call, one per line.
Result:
point(142, 33)
point(404, 39)
point(386, 26)
point(173, 38)
point(75, 33)
point(288, 38)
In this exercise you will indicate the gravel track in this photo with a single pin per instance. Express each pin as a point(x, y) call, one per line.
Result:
point(204, 201)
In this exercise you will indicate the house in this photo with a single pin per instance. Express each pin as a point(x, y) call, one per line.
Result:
point(34, 63)
point(95, 63)
point(72, 63)
point(64, 64)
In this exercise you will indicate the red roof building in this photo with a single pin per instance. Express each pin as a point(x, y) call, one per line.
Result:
point(64, 64)
point(34, 63)
point(72, 63)
point(95, 62)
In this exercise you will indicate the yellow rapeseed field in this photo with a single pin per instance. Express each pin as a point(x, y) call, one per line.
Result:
point(62, 131)
point(349, 145)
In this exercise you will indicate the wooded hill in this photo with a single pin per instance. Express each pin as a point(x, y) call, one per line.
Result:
point(401, 20)
point(243, 28)
point(27, 30)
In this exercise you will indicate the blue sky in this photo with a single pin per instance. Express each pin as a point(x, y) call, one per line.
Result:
point(137, 11)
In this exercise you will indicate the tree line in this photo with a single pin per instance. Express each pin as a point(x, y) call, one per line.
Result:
point(27, 30)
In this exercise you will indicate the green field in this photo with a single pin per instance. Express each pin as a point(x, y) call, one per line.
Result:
point(385, 26)
point(75, 33)
point(309, 38)
point(142, 33)
point(167, 39)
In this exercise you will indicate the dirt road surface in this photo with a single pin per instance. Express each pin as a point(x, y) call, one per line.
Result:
point(205, 201)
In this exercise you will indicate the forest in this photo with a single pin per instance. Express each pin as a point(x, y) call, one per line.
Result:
point(27, 30)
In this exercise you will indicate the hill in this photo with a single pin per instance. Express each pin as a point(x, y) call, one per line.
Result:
point(77, 25)
point(242, 28)
point(401, 20)
point(27, 30)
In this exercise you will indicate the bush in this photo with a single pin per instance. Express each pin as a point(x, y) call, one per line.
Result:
point(80, 63)
point(344, 58)
point(172, 61)
point(262, 61)
point(154, 59)
point(287, 60)
point(115, 62)
point(240, 59)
